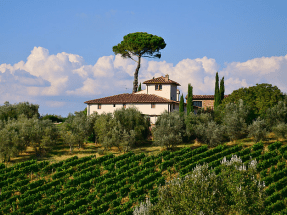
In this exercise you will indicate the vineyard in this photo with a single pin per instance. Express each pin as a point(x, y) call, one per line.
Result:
point(114, 185)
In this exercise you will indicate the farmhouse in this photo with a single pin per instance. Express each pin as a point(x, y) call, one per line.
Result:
point(160, 94)
point(204, 101)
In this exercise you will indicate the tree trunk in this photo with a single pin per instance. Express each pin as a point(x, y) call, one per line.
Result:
point(136, 75)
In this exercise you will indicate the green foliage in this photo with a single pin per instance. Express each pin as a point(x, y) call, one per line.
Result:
point(132, 119)
point(259, 98)
point(204, 129)
point(124, 130)
point(210, 133)
point(52, 117)
point(190, 122)
point(91, 120)
point(276, 115)
point(257, 130)
point(140, 44)
point(10, 142)
point(14, 111)
point(280, 130)
point(76, 129)
point(222, 90)
point(169, 129)
point(119, 137)
point(140, 87)
point(189, 106)
point(235, 119)
point(216, 92)
point(234, 190)
point(16, 135)
point(181, 104)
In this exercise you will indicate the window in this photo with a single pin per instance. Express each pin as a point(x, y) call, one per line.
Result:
point(158, 87)
point(114, 105)
point(197, 103)
point(99, 106)
point(124, 105)
point(173, 106)
point(152, 105)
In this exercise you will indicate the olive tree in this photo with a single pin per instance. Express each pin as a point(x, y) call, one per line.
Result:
point(42, 135)
point(132, 119)
point(276, 115)
point(203, 128)
point(10, 142)
point(75, 130)
point(257, 130)
point(280, 130)
point(236, 190)
point(169, 129)
point(103, 125)
point(235, 120)
point(123, 129)
point(119, 137)
point(14, 111)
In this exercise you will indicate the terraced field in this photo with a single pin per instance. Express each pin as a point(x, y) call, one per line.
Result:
point(114, 185)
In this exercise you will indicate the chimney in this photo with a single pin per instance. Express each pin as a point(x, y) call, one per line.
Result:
point(166, 77)
point(177, 95)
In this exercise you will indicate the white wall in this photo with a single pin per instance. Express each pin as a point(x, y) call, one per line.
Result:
point(165, 92)
point(168, 91)
point(145, 108)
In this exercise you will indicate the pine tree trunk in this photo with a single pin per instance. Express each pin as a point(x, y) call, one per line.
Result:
point(136, 75)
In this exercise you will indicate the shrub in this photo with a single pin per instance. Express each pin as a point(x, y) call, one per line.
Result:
point(235, 118)
point(204, 192)
point(257, 130)
point(211, 134)
point(169, 129)
point(276, 115)
point(280, 130)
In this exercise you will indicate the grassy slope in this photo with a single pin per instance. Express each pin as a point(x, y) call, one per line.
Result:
point(62, 151)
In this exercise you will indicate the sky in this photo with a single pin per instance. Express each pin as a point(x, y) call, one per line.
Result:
point(58, 54)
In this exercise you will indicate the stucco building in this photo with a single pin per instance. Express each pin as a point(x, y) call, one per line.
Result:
point(160, 94)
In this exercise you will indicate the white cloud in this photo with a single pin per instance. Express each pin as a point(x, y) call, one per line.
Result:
point(271, 70)
point(66, 75)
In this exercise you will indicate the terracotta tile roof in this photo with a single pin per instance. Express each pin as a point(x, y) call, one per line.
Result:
point(131, 98)
point(211, 97)
point(161, 80)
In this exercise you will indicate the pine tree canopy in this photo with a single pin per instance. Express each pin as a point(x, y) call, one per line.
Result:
point(140, 44)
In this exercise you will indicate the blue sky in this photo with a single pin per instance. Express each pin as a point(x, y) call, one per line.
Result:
point(58, 54)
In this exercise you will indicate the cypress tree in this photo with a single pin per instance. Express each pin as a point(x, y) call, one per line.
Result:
point(216, 93)
point(189, 107)
point(181, 105)
point(222, 89)
point(140, 87)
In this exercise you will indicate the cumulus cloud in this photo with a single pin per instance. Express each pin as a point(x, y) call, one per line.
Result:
point(271, 70)
point(44, 76)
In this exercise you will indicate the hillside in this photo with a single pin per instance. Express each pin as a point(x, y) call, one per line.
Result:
point(88, 183)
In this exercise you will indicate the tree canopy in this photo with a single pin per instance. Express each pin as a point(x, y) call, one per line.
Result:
point(140, 44)
point(10, 111)
point(259, 98)
point(235, 190)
